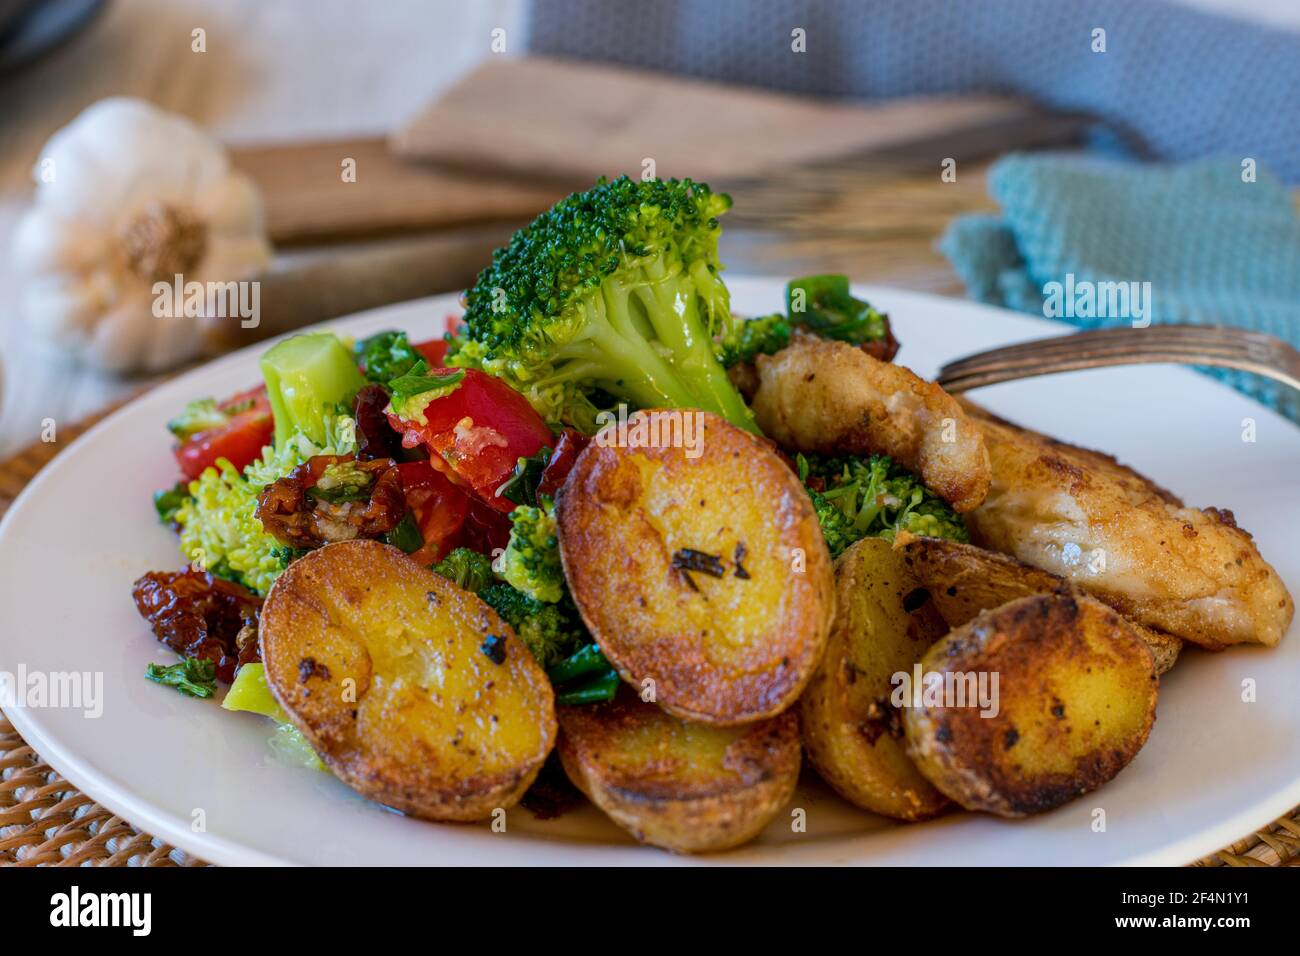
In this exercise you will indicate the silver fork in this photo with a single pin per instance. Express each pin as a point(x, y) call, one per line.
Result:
point(1215, 345)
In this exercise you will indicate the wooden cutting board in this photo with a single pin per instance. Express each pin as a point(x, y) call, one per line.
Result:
point(516, 134)
point(309, 200)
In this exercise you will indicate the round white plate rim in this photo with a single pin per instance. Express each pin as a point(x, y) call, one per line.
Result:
point(118, 796)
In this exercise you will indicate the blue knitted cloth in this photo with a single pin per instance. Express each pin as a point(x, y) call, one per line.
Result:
point(1173, 82)
point(1214, 248)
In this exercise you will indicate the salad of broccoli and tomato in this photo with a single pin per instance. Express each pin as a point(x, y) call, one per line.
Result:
point(453, 449)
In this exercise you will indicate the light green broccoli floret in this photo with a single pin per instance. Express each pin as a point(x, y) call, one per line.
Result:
point(532, 558)
point(219, 527)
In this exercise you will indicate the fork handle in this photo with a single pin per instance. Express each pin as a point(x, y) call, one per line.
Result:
point(965, 382)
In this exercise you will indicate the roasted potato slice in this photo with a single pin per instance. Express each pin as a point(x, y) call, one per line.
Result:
point(414, 692)
point(1075, 699)
point(964, 580)
point(685, 787)
point(706, 574)
point(852, 734)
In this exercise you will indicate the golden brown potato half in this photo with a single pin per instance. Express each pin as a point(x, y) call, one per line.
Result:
point(1075, 700)
point(852, 734)
point(414, 692)
point(685, 787)
point(964, 580)
point(705, 573)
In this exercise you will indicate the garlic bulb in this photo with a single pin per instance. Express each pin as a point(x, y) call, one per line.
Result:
point(128, 197)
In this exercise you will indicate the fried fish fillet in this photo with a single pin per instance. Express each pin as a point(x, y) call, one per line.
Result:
point(1115, 534)
point(828, 397)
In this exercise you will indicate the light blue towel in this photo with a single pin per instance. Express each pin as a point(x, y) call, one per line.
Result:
point(1215, 249)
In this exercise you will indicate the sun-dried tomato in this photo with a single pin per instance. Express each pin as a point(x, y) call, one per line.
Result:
point(200, 616)
point(294, 515)
point(375, 437)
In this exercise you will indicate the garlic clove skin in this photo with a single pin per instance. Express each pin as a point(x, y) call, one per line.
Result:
point(121, 152)
point(62, 312)
point(232, 206)
point(129, 196)
point(42, 243)
point(120, 340)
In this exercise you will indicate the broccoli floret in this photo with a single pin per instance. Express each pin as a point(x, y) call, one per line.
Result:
point(858, 498)
point(824, 305)
point(386, 355)
point(762, 336)
point(219, 528)
point(616, 289)
point(837, 527)
point(550, 631)
point(532, 558)
point(466, 568)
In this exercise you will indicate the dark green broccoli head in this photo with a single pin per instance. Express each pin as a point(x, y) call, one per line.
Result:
point(550, 631)
point(824, 305)
point(385, 355)
point(837, 527)
point(614, 289)
point(873, 497)
point(466, 568)
point(765, 335)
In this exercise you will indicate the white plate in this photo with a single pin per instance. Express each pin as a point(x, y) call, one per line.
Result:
point(1215, 767)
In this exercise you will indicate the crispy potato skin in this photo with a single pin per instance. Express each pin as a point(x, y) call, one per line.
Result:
point(429, 723)
point(689, 788)
point(1187, 572)
point(965, 580)
point(852, 735)
point(727, 649)
point(828, 397)
point(1077, 698)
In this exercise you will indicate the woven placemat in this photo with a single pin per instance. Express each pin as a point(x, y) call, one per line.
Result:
point(46, 821)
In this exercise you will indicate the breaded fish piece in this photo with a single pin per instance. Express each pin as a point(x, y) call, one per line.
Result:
point(830, 398)
point(1125, 540)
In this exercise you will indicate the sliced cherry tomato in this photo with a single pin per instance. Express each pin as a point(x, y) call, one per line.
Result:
point(434, 351)
point(240, 441)
point(567, 449)
point(480, 431)
point(438, 506)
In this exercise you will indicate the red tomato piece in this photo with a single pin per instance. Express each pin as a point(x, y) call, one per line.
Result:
point(240, 441)
point(480, 430)
point(438, 506)
point(567, 449)
point(433, 351)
